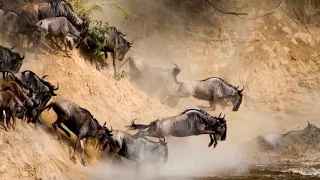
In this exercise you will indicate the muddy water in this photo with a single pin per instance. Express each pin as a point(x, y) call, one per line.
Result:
point(303, 170)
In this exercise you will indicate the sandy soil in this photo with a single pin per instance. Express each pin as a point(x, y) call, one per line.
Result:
point(280, 73)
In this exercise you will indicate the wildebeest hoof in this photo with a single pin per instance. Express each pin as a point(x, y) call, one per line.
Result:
point(210, 144)
point(215, 145)
point(74, 159)
point(84, 163)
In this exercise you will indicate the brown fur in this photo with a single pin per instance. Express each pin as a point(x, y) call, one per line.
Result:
point(16, 90)
point(9, 102)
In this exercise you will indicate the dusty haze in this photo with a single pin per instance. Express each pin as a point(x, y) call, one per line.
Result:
point(275, 57)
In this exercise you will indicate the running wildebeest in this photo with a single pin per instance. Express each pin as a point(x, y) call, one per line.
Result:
point(80, 122)
point(34, 12)
point(41, 89)
point(17, 91)
point(213, 89)
point(189, 123)
point(113, 41)
point(60, 27)
point(12, 106)
point(139, 150)
point(153, 80)
point(9, 60)
point(307, 138)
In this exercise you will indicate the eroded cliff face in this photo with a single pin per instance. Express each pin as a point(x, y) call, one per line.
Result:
point(274, 56)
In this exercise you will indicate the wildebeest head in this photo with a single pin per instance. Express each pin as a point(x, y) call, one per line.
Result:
point(221, 127)
point(38, 84)
point(122, 47)
point(105, 138)
point(237, 99)
point(10, 60)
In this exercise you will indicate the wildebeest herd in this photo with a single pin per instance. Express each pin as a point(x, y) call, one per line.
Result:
point(25, 95)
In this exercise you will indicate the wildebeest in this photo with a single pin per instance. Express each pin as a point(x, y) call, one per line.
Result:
point(12, 106)
point(139, 150)
point(154, 80)
point(189, 123)
point(60, 27)
point(9, 60)
point(9, 24)
point(307, 138)
point(213, 89)
point(41, 89)
point(34, 12)
point(112, 41)
point(16, 89)
point(80, 122)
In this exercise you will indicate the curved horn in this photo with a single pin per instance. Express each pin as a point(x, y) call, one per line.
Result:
point(131, 43)
point(56, 87)
point(240, 91)
point(110, 129)
point(176, 66)
point(13, 47)
point(104, 125)
point(224, 116)
point(45, 76)
point(219, 115)
point(162, 140)
point(22, 57)
point(309, 123)
point(237, 87)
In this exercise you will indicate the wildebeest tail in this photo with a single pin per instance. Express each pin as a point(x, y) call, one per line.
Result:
point(135, 126)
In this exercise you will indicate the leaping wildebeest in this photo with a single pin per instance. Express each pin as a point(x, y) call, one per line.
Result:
point(139, 150)
point(10, 60)
point(154, 80)
point(189, 123)
point(79, 121)
point(112, 41)
point(213, 89)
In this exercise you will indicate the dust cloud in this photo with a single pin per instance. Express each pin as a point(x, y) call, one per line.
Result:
point(243, 51)
point(273, 57)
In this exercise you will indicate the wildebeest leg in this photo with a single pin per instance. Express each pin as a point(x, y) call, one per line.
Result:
point(14, 119)
point(97, 65)
point(55, 125)
point(211, 140)
point(82, 153)
point(114, 64)
point(5, 121)
point(64, 130)
point(78, 141)
point(215, 141)
point(212, 105)
point(8, 117)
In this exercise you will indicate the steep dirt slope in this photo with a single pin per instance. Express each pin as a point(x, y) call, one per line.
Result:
point(33, 153)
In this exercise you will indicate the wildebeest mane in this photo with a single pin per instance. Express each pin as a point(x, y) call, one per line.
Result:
point(4, 74)
point(220, 80)
point(198, 110)
point(45, 83)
